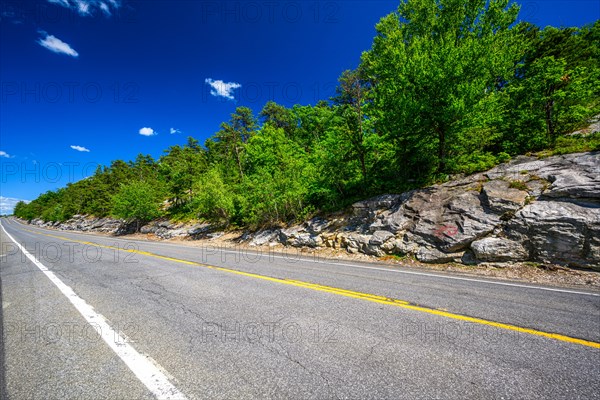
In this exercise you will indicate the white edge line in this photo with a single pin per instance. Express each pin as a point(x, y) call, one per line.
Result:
point(398, 271)
point(148, 373)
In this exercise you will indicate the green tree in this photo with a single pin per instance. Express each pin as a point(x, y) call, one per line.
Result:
point(555, 89)
point(180, 167)
point(352, 96)
point(277, 184)
point(214, 199)
point(53, 213)
point(311, 123)
point(437, 66)
point(227, 147)
point(278, 116)
point(138, 201)
point(560, 93)
point(24, 211)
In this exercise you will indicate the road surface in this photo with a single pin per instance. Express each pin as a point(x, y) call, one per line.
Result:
point(95, 317)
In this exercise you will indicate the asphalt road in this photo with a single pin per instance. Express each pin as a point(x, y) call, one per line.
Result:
point(94, 317)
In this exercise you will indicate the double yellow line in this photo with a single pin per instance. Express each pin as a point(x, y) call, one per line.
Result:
point(349, 293)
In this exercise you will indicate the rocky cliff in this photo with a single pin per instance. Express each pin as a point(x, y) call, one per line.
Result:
point(529, 209)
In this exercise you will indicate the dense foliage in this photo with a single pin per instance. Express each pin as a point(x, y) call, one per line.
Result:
point(449, 86)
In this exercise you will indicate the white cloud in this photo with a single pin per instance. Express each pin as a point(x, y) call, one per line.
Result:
point(83, 7)
point(56, 45)
point(174, 131)
point(104, 7)
point(64, 3)
point(7, 204)
point(89, 7)
point(80, 148)
point(147, 132)
point(222, 89)
point(4, 154)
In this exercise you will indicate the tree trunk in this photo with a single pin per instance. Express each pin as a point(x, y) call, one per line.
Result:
point(361, 138)
point(549, 107)
point(363, 168)
point(441, 168)
point(239, 162)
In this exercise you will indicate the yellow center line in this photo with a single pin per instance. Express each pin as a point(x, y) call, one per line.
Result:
point(349, 293)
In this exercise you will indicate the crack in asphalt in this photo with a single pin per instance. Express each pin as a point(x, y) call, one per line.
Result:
point(318, 374)
point(371, 351)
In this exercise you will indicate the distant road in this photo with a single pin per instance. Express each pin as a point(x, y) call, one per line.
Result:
point(96, 317)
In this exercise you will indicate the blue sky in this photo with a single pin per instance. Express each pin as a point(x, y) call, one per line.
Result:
point(84, 82)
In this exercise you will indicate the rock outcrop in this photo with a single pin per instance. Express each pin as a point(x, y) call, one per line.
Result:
point(84, 223)
point(529, 209)
point(118, 227)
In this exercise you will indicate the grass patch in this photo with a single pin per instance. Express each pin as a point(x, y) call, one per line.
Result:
point(534, 177)
point(529, 199)
point(518, 185)
point(395, 257)
point(532, 264)
point(573, 144)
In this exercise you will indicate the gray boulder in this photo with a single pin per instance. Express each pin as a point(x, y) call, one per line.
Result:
point(500, 198)
point(394, 220)
point(355, 242)
point(265, 237)
point(298, 237)
point(149, 228)
point(380, 237)
point(498, 249)
point(559, 232)
point(368, 208)
point(198, 230)
point(571, 176)
point(431, 255)
point(162, 233)
point(452, 220)
point(316, 225)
